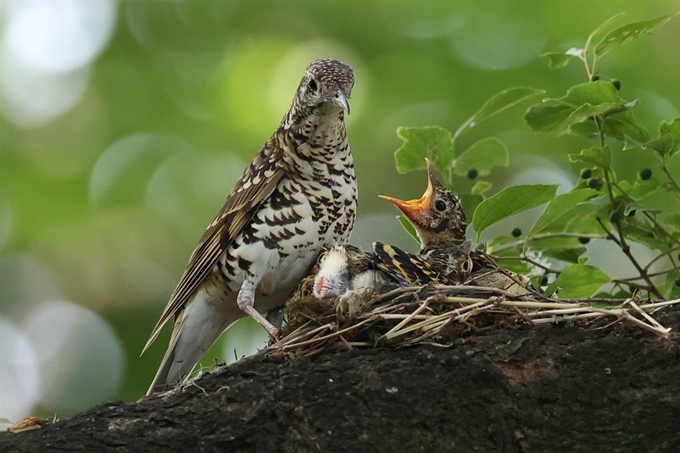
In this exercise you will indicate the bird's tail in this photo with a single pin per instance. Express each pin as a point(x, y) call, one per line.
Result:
point(196, 329)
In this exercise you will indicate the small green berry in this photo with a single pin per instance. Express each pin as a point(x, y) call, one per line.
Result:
point(583, 240)
point(595, 183)
point(615, 216)
point(472, 173)
point(645, 174)
point(516, 232)
point(616, 83)
point(586, 173)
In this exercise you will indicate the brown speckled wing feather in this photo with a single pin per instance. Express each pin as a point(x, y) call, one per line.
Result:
point(405, 267)
point(254, 187)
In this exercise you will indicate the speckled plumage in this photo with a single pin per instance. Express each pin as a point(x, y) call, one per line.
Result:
point(298, 194)
point(407, 268)
point(440, 221)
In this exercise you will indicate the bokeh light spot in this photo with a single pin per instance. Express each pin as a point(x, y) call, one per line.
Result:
point(80, 358)
point(246, 89)
point(123, 171)
point(30, 98)
point(25, 281)
point(244, 338)
point(18, 373)
point(498, 39)
point(59, 35)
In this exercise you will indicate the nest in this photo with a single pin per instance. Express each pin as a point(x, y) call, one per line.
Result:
point(439, 314)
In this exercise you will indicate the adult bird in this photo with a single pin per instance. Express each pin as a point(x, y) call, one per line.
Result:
point(298, 194)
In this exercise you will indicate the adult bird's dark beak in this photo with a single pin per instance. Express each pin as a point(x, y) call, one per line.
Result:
point(340, 99)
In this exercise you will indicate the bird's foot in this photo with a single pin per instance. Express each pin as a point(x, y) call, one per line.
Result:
point(247, 307)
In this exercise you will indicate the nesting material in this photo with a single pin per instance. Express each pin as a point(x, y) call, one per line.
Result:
point(439, 314)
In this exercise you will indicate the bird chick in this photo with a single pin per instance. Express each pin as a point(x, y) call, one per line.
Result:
point(438, 216)
point(345, 272)
point(440, 222)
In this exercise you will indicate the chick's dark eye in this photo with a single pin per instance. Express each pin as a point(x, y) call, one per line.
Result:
point(312, 85)
point(440, 206)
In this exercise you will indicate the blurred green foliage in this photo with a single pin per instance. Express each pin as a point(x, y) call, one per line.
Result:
point(607, 206)
point(103, 203)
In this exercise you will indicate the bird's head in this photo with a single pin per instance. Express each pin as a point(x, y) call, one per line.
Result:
point(326, 82)
point(438, 216)
point(333, 278)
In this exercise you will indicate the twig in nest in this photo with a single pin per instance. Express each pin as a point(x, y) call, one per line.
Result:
point(413, 315)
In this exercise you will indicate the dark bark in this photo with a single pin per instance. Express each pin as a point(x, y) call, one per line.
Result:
point(547, 389)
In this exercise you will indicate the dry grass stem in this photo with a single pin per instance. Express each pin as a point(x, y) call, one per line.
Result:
point(437, 314)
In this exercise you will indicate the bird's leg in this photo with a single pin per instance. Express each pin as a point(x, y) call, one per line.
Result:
point(246, 301)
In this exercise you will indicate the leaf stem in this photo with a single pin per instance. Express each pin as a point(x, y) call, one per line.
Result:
point(514, 244)
point(650, 217)
point(625, 248)
point(671, 179)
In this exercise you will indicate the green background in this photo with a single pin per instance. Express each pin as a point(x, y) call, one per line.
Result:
point(102, 202)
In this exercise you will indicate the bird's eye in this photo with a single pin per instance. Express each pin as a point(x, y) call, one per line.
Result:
point(440, 206)
point(312, 85)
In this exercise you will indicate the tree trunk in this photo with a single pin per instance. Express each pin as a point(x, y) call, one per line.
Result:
point(542, 389)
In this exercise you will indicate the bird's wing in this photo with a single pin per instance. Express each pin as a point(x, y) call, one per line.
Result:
point(404, 266)
point(254, 187)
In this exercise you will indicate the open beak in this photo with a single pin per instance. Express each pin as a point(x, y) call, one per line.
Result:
point(340, 99)
point(432, 179)
point(415, 210)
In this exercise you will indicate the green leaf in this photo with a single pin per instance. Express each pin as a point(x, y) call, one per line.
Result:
point(602, 28)
point(587, 111)
point(673, 220)
point(510, 260)
point(481, 187)
point(570, 255)
point(600, 157)
point(577, 281)
point(496, 104)
point(510, 201)
point(432, 142)
point(483, 155)
point(645, 234)
point(557, 60)
point(547, 118)
point(557, 242)
point(593, 93)
point(661, 145)
point(671, 290)
point(618, 126)
point(580, 104)
point(582, 218)
point(627, 33)
point(560, 207)
point(672, 129)
point(640, 188)
point(408, 227)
